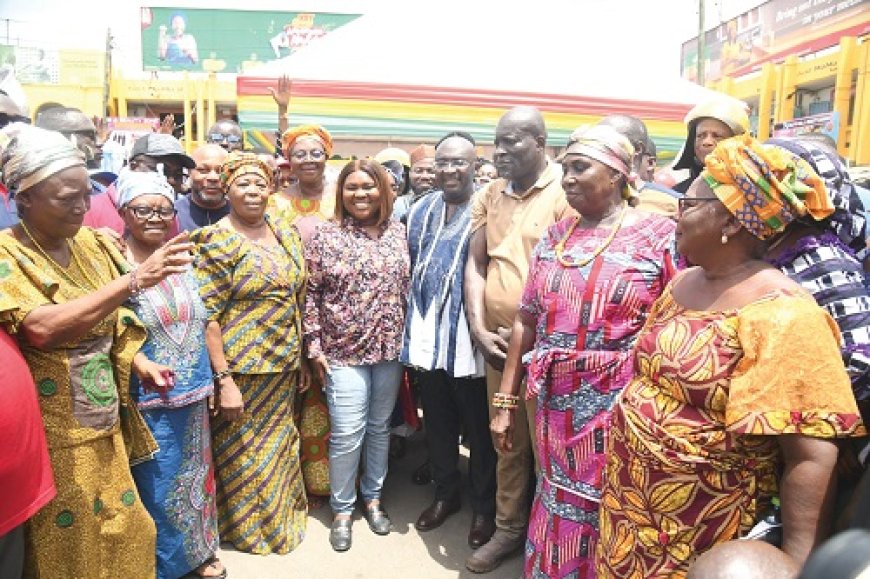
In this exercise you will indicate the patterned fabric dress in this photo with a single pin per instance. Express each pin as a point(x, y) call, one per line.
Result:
point(310, 411)
point(693, 455)
point(177, 487)
point(587, 321)
point(254, 292)
point(96, 526)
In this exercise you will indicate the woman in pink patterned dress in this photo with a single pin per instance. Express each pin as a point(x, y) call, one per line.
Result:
point(591, 282)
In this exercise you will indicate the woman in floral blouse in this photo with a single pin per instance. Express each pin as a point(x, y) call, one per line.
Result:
point(354, 316)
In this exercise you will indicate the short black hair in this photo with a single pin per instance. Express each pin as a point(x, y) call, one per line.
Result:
point(460, 134)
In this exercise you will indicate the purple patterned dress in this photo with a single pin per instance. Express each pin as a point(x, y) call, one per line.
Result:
point(587, 320)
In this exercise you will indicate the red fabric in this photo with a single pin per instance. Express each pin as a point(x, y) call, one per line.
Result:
point(407, 404)
point(26, 482)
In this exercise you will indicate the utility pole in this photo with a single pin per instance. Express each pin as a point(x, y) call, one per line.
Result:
point(702, 37)
point(107, 72)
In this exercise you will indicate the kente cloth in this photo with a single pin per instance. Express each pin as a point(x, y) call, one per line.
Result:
point(305, 214)
point(693, 457)
point(178, 488)
point(255, 293)
point(261, 500)
point(828, 270)
point(437, 335)
point(96, 526)
point(586, 322)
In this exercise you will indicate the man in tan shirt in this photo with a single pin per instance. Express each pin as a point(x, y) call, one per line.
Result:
point(508, 217)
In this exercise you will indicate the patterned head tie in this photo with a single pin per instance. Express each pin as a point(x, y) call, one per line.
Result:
point(764, 187)
point(605, 145)
point(240, 163)
point(316, 132)
point(31, 155)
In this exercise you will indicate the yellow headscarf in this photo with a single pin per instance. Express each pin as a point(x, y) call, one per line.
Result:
point(764, 186)
point(290, 136)
point(240, 163)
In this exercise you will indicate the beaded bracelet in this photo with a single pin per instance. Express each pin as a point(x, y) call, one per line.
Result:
point(505, 401)
point(222, 374)
point(134, 286)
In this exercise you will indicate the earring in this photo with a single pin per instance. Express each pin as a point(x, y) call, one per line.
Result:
point(724, 239)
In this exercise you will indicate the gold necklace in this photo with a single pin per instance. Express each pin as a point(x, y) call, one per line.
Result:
point(560, 247)
point(64, 272)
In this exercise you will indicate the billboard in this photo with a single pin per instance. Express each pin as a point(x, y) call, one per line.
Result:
point(232, 41)
point(772, 31)
point(825, 123)
point(34, 65)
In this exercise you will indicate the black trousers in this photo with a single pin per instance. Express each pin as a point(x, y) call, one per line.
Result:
point(448, 402)
point(12, 553)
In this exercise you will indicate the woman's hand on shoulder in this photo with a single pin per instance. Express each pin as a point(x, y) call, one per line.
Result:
point(174, 257)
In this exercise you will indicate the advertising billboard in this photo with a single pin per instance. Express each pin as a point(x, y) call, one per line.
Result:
point(34, 65)
point(772, 31)
point(232, 41)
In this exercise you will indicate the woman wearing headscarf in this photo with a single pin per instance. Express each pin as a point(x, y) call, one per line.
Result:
point(354, 320)
point(708, 123)
point(309, 199)
point(177, 487)
point(307, 202)
point(727, 409)
point(592, 281)
point(61, 291)
point(251, 272)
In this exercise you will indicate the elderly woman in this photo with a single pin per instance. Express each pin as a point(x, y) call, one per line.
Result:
point(708, 123)
point(61, 291)
point(177, 487)
point(592, 281)
point(309, 199)
point(252, 277)
point(726, 410)
point(354, 319)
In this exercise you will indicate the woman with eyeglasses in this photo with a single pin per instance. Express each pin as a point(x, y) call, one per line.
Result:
point(62, 294)
point(592, 281)
point(308, 200)
point(177, 486)
point(354, 319)
point(740, 391)
point(252, 276)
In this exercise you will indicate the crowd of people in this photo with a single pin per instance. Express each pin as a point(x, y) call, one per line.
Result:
point(203, 348)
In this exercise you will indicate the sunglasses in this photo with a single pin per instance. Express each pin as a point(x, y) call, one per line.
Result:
point(220, 137)
point(6, 119)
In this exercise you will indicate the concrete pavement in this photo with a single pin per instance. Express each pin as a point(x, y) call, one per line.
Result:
point(403, 554)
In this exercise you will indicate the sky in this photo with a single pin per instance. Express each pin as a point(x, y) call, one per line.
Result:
point(664, 24)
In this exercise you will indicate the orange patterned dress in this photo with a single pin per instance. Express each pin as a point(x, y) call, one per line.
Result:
point(693, 456)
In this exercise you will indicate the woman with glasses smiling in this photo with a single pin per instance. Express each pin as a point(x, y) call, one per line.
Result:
point(177, 487)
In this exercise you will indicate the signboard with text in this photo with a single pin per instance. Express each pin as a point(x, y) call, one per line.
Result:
point(825, 123)
point(232, 41)
point(772, 31)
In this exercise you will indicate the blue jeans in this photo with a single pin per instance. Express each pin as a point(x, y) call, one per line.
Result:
point(360, 400)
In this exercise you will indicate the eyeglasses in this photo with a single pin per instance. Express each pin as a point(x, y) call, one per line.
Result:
point(684, 203)
point(145, 213)
point(314, 155)
point(6, 119)
point(452, 163)
point(220, 137)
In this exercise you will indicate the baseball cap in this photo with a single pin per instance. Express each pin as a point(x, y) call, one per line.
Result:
point(160, 145)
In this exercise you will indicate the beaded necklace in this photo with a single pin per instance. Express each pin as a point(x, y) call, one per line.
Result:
point(560, 247)
point(94, 285)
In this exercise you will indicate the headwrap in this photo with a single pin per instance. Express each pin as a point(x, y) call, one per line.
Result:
point(765, 187)
point(240, 163)
point(395, 169)
point(32, 155)
point(133, 184)
point(422, 152)
point(290, 136)
point(604, 144)
point(847, 221)
point(727, 110)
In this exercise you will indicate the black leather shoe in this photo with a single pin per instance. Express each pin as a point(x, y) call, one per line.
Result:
point(340, 534)
point(379, 521)
point(434, 516)
point(422, 475)
point(482, 529)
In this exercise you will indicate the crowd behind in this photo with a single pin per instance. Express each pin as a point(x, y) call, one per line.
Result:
point(651, 381)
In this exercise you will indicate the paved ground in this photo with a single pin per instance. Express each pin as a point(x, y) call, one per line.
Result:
point(403, 554)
